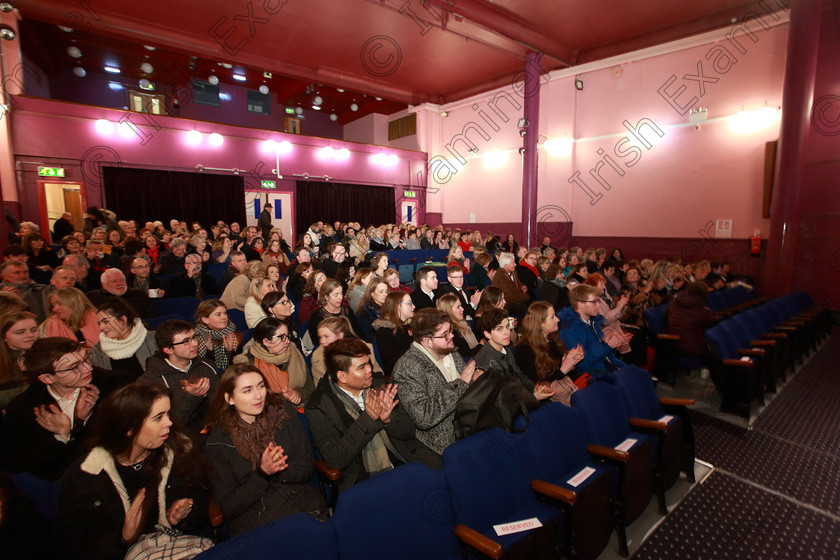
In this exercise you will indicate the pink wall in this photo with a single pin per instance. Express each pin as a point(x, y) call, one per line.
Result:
point(818, 262)
point(48, 132)
point(685, 178)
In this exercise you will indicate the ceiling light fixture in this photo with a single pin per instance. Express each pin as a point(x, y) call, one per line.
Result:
point(65, 29)
point(333, 117)
point(79, 72)
point(149, 48)
point(239, 77)
point(216, 139)
point(264, 89)
point(193, 137)
point(147, 68)
point(74, 51)
point(354, 107)
point(112, 69)
point(318, 100)
point(213, 79)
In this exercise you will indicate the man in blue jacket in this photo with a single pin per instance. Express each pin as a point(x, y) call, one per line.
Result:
point(581, 324)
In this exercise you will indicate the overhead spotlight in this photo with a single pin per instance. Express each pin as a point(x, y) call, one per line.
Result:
point(339, 90)
point(522, 151)
point(342, 154)
point(333, 117)
point(299, 110)
point(6, 7)
point(354, 107)
point(7, 34)
point(522, 132)
point(149, 48)
point(523, 123)
point(239, 77)
point(112, 69)
point(267, 75)
point(316, 108)
point(578, 83)
point(318, 100)
point(145, 84)
point(104, 126)
point(444, 114)
point(264, 89)
point(216, 139)
point(147, 68)
point(284, 147)
point(225, 65)
point(79, 72)
point(65, 29)
point(213, 79)
point(74, 51)
point(193, 137)
point(327, 152)
point(378, 98)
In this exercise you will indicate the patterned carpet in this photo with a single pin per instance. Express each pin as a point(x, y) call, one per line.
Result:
point(775, 493)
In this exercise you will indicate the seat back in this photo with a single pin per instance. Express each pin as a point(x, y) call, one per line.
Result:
point(183, 307)
point(297, 537)
point(237, 317)
point(604, 412)
point(655, 318)
point(639, 393)
point(405, 513)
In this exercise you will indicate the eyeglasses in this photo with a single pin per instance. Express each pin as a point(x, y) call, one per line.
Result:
point(411, 303)
point(85, 361)
point(591, 301)
point(284, 302)
point(276, 337)
point(447, 334)
point(185, 341)
point(140, 266)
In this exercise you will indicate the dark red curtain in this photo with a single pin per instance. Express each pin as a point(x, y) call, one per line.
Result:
point(342, 202)
point(151, 194)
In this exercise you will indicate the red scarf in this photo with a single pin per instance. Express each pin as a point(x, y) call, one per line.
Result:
point(529, 267)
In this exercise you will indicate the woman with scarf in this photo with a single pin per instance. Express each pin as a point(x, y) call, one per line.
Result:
point(282, 364)
point(218, 340)
point(309, 301)
point(275, 255)
point(260, 455)
point(140, 491)
point(124, 343)
point(153, 249)
point(528, 273)
point(278, 306)
point(73, 316)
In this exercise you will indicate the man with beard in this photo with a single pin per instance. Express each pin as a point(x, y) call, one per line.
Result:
point(431, 377)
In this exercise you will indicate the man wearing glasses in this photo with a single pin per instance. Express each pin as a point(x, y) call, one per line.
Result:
point(581, 324)
point(46, 423)
point(337, 254)
point(432, 376)
point(455, 275)
point(177, 366)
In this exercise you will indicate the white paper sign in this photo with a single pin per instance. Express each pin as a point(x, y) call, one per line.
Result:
point(584, 473)
point(626, 444)
point(666, 419)
point(517, 526)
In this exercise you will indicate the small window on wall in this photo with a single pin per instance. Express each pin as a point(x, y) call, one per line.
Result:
point(259, 103)
point(291, 125)
point(146, 103)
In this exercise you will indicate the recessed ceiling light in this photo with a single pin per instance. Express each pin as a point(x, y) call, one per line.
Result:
point(65, 29)
point(147, 68)
point(74, 52)
point(112, 69)
point(378, 98)
point(339, 90)
point(79, 71)
point(316, 107)
point(149, 48)
point(239, 77)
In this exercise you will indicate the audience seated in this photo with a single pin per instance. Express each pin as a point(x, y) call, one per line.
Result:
point(176, 366)
point(580, 325)
point(235, 267)
point(479, 276)
point(465, 340)
point(357, 287)
point(46, 423)
point(259, 287)
point(528, 274)
point(18, 331)
point(72, 316)
point(331, 304)
point(357, 422)
point(218, 341)
point(173, 263)
point(125, 345)
point(689, 317)
point(142, 279)
point(455, 277)
point(15, 279)
point(312, 289)
point(423, 295)
point(109, 502)
point(432, 376)
point(392, 276)
point(379, 264)
point(114, 285)
point(540, 354)
point(260, 456)
point(239, 289)
point(393, 337)
point(516, 294)
point(370, 307)
point(280, 361)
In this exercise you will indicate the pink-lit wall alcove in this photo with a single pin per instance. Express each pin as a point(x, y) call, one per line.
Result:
point(53, 133)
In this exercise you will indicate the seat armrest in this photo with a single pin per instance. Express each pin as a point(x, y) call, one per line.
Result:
point(739, 363)
point(473, 538)
point(668, 336)
point(676, 402)
point(327, 472)
point(608, 453)
point(553, 491)
point(646, 424)
point(751, 352)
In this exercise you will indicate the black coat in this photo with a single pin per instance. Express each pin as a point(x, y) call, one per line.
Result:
point(341, 439)
point(391, 346)
point(249, 498)
point(91, 513)
point(27, 447)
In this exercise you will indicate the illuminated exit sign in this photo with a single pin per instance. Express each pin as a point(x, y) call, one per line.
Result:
point(51, 171)
point(409, 194)
point(269, 184)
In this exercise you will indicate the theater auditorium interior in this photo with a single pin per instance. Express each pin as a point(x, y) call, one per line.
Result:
point(640, 149)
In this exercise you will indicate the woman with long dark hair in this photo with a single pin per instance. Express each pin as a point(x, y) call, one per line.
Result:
point(260, 455)
point(393, 337)
point(140, 487)
point(540, 353)
point(18, 330)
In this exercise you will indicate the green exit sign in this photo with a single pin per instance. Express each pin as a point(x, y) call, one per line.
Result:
point(51, 171)
point(290, 110)
point(150, 87)
point(269, 184)
point(409, 194)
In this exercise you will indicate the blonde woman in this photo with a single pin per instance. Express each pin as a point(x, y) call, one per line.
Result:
point(72, 316)
point(253, 311)
point(465, 340)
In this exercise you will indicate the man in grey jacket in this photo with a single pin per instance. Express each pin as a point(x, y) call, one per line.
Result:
point(432, 377)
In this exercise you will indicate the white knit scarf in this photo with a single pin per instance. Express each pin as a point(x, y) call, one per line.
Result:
point(121, 349)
